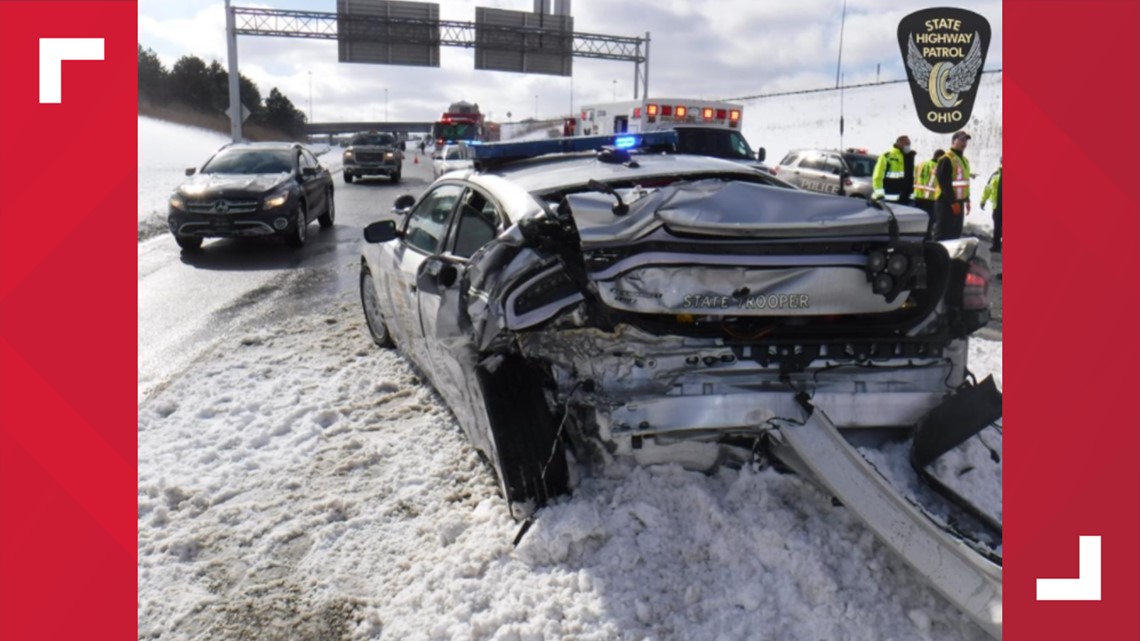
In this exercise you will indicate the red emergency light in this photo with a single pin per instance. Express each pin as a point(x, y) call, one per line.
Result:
point(651, 110)
point(734, 115)
point(721, 114)
point(637, 112)
point(681, 110)
point(666, 110)
point(707, 113)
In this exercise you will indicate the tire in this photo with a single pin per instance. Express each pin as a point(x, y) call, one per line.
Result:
point(296, 235)
point(329, 217)
point(347, 177)
point(531, 457)
point(370, 302)
point(396, 177)
point(188, 242)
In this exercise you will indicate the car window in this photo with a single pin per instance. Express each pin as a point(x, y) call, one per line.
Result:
point(790, 159)
point(860, 165)
point(373, 140)
point(428, 221)
point(250, 161)
point(814, 161)
point(833, 165)
point(455, 153)
point(478, 224)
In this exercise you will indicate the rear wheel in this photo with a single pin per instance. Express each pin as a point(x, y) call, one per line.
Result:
point(370, 300)
point(296, 235)
point(329, 217)
point(188, 242)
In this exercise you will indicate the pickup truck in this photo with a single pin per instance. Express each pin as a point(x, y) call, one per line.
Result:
point(373, 154)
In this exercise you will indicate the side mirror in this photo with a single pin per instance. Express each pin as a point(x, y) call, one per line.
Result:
point(761, 154)
point(310, 171)
point(190, 171)
point(404, 203)
point(381, 232)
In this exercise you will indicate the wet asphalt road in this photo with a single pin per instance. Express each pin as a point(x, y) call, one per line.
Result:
point(189, 301)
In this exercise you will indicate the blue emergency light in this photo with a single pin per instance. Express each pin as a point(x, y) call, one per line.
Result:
point(503, 151)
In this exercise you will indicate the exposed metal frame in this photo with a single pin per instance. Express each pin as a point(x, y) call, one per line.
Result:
point(285, 23)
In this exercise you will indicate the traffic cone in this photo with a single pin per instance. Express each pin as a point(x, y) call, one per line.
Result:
point(416, 161)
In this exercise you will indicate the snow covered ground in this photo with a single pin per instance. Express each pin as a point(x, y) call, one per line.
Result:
point(301, 483)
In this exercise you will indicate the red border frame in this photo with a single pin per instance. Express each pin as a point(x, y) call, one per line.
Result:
point(1072, 305)
point(68, 455)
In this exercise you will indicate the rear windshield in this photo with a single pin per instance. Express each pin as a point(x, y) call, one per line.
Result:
point(378, 140)
point(454, 153)
point(250, 161)
point(720, 143)
point(861, 165)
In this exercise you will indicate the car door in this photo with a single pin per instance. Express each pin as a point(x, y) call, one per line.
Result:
point(441, 287)
point(833, 170)
point(813, 173)
point(423, 236)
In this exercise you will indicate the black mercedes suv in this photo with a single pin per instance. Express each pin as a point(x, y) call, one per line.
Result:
point(252, 189)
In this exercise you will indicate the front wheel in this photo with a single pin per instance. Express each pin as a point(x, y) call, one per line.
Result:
point(329, 217)
point(396, 177)
point(298, 233)
point(347, 177)
point(370, 301)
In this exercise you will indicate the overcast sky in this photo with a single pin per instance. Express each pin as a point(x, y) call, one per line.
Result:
point(709, 49)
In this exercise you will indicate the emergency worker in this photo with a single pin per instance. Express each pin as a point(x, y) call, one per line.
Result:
point(953, 174)
point(889, 179)
point(926, 190)
point(992, 194)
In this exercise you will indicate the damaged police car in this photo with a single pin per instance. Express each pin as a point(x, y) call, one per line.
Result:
point(574, 295)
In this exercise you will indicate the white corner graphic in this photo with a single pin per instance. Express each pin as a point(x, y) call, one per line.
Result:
point(1086, 587)
point(53, 51)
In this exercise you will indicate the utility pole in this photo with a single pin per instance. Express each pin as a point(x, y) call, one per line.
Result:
point(385, 104)
point(536, 106)
point(235, 87)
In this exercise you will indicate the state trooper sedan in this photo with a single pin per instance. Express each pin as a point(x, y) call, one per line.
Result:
point(570, 296)
point(252, 189)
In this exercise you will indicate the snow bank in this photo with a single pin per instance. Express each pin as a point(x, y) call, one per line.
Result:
point(166, 149)
point(300, 483)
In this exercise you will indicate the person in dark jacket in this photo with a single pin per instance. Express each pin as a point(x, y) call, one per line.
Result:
point(953, 175)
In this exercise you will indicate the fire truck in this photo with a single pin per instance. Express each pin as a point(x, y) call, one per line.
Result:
point(704, 127)
point(461, 121)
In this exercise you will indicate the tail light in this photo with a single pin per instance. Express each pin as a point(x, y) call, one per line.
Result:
point(637, 112)
point(681, 110)
point(774, 170)
point(976, 292)
point(847, 182)
point(707, 113)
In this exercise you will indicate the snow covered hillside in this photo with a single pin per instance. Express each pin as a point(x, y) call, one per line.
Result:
point(873, 118)
point(301, 483)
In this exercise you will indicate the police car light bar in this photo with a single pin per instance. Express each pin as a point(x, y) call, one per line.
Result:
point(503, 151)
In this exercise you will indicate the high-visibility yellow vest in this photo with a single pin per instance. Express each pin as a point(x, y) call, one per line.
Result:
point(960, 175)
point(990, 193)
point(891, 165)
point(926, 182)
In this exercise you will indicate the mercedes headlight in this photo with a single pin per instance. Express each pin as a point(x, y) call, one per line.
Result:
point(177, 202)
point(276, 200)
